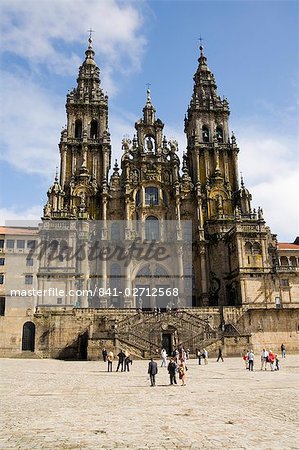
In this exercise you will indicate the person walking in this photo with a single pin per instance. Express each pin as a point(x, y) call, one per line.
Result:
point(152, 371)
point(121, 361)
point(127, 362)
point(172, 367)
point(110, 358)
point(199, 356)
point(164, 357)
point(264, 359)
point(277, 366)
point(104, 354)
point(205, 356)
point(250, 355)
point(220, 356)
point(283, 350)
point(182, 372)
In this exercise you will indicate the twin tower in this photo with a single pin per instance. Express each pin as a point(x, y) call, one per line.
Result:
point(233, 251)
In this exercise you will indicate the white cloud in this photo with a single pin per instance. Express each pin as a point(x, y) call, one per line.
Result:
point(44, 33)
point(31, 121)
point(269, 163)
point(16, 216)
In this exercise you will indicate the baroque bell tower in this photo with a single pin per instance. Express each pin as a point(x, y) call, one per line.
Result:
point(232, 244)
point(81, 191)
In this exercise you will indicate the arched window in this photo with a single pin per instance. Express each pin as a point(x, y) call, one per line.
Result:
point(28, 337)
point(165, 199)
point(284, 261)
point(137, 198)
point(293, 261)
point(115, 232)
point(63, 250)
point(160, 271)
point(257, 250)
point(205, 134)
point(144, 272)
point(187, 230)
point(248, 247)
point(78, 129)
point(151, 196)
point(219, 134)
point(152, 228)
point(115, 276)
point(94, 129)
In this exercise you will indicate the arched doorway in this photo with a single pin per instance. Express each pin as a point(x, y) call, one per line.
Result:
point(28, 337)
point(154, 287)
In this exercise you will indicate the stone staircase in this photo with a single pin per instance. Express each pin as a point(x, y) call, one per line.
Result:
point(141, 333)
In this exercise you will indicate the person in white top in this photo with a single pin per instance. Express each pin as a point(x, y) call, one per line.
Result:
point(250, 355)
point(164, 357)
point(264, 359)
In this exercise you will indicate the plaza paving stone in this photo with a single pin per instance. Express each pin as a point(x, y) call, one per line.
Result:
point(50, 404)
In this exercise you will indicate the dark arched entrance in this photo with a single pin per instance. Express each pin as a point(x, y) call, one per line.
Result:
point(28, 337)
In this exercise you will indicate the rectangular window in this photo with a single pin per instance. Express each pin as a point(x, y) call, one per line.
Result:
point(10, 243)
point(278, 302)
point(2, 261)
point(20, 244)
point(284, 282)
point(31, 244)
point(151, 196)
point(1, 243)
point(28, 279)
point(1, 278)
point(2, 306)
point(59, 301)
point(29, 262)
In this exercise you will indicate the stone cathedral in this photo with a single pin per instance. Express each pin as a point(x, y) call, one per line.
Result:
point(232, 247)
point(244, 289)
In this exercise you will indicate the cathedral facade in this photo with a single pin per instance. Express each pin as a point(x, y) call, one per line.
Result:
point(234, 253)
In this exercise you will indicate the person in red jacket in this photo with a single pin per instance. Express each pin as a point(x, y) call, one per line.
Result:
point(271, 358)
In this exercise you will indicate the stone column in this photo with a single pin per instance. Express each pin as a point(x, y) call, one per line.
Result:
point(63, 167)
point(203, 272)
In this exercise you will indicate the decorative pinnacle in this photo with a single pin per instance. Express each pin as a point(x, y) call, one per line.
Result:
point(90, 31)
point(201, 46)
point(56, 174)
point(148, 93)
point(242, 181)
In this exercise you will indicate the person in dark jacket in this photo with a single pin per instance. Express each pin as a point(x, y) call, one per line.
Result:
point(152, 371)
point(172, 367)
point(220, 355)
point(104, 354)
point(121, 361)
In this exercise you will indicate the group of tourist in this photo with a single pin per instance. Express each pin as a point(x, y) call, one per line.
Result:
point(176, 365)
point(124, 360)
point(268, 359)
point(202, 355)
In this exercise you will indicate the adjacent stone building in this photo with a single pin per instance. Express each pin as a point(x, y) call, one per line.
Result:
point(244, 285)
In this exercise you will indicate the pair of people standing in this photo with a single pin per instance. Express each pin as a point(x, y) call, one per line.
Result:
point(202, 355)
point(173, 368)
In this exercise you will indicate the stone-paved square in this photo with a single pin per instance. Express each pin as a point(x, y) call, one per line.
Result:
point(51, 404)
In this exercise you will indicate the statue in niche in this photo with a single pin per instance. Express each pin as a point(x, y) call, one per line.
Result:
point(149, 146)
point(135, 176)
point(219, 201)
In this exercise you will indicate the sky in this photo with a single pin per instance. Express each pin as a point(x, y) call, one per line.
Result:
point(252, 48)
